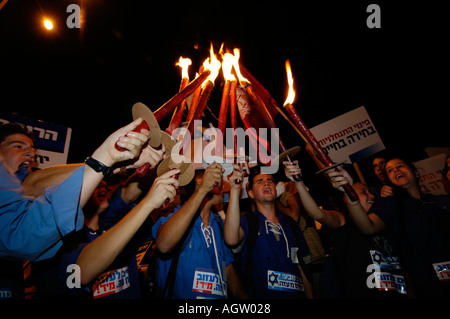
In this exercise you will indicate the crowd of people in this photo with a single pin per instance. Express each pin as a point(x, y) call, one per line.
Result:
point(97, 230)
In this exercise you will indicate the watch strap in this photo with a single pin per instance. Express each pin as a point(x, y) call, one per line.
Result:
point(98, 166)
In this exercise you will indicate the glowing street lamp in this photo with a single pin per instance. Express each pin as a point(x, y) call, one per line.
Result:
point(48, 24)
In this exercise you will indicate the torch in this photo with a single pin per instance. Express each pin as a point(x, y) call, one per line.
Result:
point(168, 107)
point(310, 138)
point(177, 159)
point(263, 111)
point(178, 114)
point(229, 99)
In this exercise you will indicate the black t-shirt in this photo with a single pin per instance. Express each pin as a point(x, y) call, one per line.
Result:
point(365, 266)
point(420, 228)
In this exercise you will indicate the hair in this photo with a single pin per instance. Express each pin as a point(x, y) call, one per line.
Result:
point(254, 171)
point(14, 128)
point(407, 162)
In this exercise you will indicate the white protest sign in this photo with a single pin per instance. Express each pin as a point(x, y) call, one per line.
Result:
point(431, 179)
point(349, 137)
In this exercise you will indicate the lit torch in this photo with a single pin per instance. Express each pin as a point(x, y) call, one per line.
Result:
point(187, 171)
point(310, 138)
point(212, 65)
point(227, 65)
point(263, 111)
point(178, 114)
point(170, 105)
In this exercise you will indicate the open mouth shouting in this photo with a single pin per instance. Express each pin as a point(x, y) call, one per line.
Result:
point(24, 164)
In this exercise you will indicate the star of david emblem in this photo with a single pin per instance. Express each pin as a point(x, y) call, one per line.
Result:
point(273, 279)
point(377, 257)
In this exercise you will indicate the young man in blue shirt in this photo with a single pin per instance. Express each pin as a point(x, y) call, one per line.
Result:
point(276, 270)
point(32, 228)
point(204, 267)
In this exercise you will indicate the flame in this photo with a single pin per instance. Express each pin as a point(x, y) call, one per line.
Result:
point(184, 65)
point(205, 67)
point(227, 64)
point(242, 81)
point(213, 64)
point(291, 93)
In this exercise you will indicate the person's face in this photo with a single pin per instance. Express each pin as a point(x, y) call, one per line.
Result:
point(400, 174)
point(365, 197)
point(101, 195)
point(378, 165)
point(264, 188)
point(17, 151)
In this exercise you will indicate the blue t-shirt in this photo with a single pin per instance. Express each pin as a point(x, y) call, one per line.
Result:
point(119, 281)
point(275, 266)
point(202, 264)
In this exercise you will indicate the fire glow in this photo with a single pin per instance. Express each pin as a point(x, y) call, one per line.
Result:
point(243, 93)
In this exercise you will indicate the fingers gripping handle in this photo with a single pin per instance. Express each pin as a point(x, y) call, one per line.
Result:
point(138, 129)
point(144, 168)
point(166, 203)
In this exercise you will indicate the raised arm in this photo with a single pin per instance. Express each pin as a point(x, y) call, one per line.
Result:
point(107, 154)
point(368, 224)
point(233, 233)
point(331, 219)
point(171, 232)
point(100, 253)
point(36, 182)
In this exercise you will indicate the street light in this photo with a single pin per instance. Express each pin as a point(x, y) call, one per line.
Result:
point(48, 24)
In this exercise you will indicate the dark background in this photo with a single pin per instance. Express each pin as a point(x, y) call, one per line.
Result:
point(125, 52)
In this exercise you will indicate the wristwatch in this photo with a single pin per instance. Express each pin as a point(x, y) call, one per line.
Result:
point(98, 166)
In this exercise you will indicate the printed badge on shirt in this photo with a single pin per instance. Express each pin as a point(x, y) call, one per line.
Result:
point(111, 282)
point(277, 280)
point(442, 270)
point(208, 283)
point(386, 273)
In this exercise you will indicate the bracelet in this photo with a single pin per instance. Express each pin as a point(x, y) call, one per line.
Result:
point(98, 166)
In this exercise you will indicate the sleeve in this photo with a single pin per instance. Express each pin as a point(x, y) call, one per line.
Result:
point(158, 224)
point(32, 229)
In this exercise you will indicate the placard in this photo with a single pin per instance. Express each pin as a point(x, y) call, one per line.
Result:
point(349, 137)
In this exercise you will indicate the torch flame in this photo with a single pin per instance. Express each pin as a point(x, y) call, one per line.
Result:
point(213, 66)
point(291, 93)
point(227, 64)
point(184, 65)
point(242, 81)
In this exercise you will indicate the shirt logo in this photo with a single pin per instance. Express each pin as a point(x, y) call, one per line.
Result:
point(207, 282)
point(111, 282)
point(277, 280)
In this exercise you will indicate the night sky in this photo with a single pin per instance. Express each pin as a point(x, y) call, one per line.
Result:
point(125, 52)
